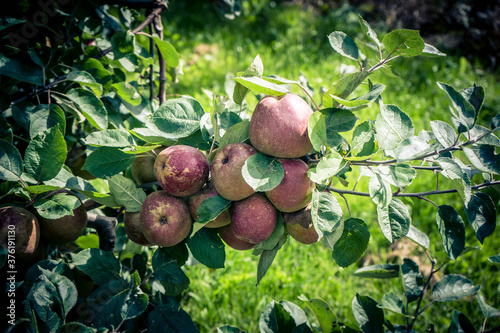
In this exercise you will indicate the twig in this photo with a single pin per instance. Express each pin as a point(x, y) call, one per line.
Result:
point(417, 313)
point(161, 61)
point(105, 228)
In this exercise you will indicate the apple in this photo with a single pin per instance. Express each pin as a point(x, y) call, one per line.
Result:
point(253, 219)
point(65, 229)
point(278, 126)
point(19, 231)
point(143, 166)
point(226, 174)
point(133, 229)
point(300, 227)
point(196, 199)
point(75, 160)
point(227, 235)
point(181, 170)
point(295, 190)
point(165, 219)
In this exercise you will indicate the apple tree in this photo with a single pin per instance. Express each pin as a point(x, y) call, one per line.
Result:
point(112, 187)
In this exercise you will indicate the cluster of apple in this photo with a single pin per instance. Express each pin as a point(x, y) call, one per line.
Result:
point(278, 128)
point(22, 230)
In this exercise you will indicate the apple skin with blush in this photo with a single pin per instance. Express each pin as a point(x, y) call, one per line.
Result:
point(21, 225)
point(295, 190)
point(227, 235)
point(300, 227)
point(165, 219)
point(253, 219)
point(133, 228)
point(278, 126)
point(181, 170)
point(225, 171)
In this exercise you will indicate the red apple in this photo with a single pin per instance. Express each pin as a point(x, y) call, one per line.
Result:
point(19, 231)
point(226, 171)
point(300, 227)
point(196, 199)
point(165, 219)
point(181, 170)
point(278, 126)
point(295, 190)
point(253, 219)
point(227, 235)
point(133, 228)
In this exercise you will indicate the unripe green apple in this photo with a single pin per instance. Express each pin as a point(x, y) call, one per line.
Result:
point(278, 126)
point(181, 170)
point(143, 169)
point(65, 229)
point(196, 199)
point(253, 219)
point(165, 219)
point(227, 235)
point(295, 190)
point(133, 228)
point(300, 227)
point(19, 231)
point(226, 174)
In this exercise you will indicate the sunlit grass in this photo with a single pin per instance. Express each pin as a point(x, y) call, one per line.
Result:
point(291, 42)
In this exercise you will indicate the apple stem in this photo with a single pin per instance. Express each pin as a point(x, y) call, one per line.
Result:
point(105, 228)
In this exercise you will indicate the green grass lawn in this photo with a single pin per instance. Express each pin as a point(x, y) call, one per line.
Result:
point(292, 41)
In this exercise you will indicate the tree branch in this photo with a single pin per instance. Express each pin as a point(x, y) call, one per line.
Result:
point(105, 228)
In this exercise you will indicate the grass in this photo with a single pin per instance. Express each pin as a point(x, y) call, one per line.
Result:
point(292, 41)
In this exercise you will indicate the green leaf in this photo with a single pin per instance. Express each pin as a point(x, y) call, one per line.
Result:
point(344, 45)
point(412, 148)
point(353, 103)
point(90, 106)
point(109, 138)
point(487, 310)
point(380, 271)
point(393, 303)
point(122, 44)
point(352, 244)
point(177, 118)
point(267, 257)
point(481, 213)
point(463, 111)
point(344, 87)
point(259, 85)
point(363, 145)
point(432, 51)
point(38, 189)
point(484, 158)
point(394, 220)
point(452, 287)
point(487, 139)
point(418, 237)
point(452, 230)
point(339, 120)
point(100, 265)
point(20, 70)
point(445, 134)
point(167, 270)
point(399, 175)
point(368, 315)
point(127, 93)
point(323, 313)
point(495, 259)
point(107, 161)
point(57, 206)
point(475, 96)
point(392, 126)
point(207, 248)
point(168, 52)
point(125, 192)
point(239, 132)
point(75, 327)
point(11, 162)
point(316, 129)
point(169, 318)
point(208, 211)
point(368, 31)
point(326, 215)
point(256, 68)
point(46, 116)
point(283, 317)
point(461, 181)
point(229, 329)
point(380, 193)
point(328, 166)
point(85, 79)
point(460, 323)
point(275, 238)
point(262, 172)
point(407, 43)
point(46, 154)
point(495, 122)
point(412, 279)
